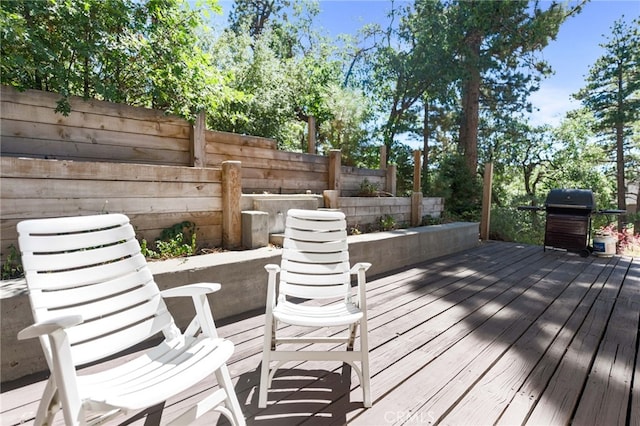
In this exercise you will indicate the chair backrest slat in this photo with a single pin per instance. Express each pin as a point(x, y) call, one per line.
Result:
point(326, 247)
point(87, 259)
point(315, 279)
point(302, 257)
point(100, 317)
point(315, 258)
point(86, 293)
point(115, 342)
point(93, 264)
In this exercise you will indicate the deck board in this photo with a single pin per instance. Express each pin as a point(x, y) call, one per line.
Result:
point(501, 334)
point(486, 401)
point(561, 395)
point(606, 395)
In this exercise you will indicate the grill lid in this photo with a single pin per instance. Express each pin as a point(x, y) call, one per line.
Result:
point(571, 198)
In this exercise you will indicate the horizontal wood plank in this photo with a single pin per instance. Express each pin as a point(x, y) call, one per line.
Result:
point(60, 169)
point(12, 129)
point(158, 126)
point(64, 188)
point(78, 104)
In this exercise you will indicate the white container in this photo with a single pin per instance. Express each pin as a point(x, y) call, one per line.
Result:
point(604, 246)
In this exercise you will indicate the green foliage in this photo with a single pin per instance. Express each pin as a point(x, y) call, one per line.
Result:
point(368, 189)
point(393, 83)
point(428, 220)
point(612, 94)
point(186, 228)
point(613, 84)
point(402, 157)
point(460, 189)
point(141, 53)
point(279, 80)
point(509, 224)
point(344, 130)
point(178, 240)
point(387, 223)
point(495, 42)
point(416, 68)
point(12, 266)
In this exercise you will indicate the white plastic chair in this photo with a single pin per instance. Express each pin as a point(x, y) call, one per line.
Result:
point(92, 296)
point(315, 268)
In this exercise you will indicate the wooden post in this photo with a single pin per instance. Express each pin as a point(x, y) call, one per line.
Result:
point(486, 201)
point(311, 137)
point(231, 214)
point(417, 171)
point(198, 142)
point(330, 198)
point(416, 208)
point(391, 180)
point(335, 167)
point(383, 157)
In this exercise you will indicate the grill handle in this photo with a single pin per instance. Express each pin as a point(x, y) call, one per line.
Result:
point(531, 208)
point(611, 212)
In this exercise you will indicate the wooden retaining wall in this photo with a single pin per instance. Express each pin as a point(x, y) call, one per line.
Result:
point(105, 131)
point(364, 211)
point(154, 197)
point(93, 131)
point(158, 169)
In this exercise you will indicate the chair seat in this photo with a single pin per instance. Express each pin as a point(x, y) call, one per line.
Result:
point(338, 314)
point(166, 370)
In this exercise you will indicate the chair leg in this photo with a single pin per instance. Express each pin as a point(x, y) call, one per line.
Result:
point(364, 350)
point(268, 346)
point(232, 403)
point(49, 404)
point(353, 328)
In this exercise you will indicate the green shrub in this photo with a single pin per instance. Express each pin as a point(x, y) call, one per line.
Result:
point(12, 266)
point(430, 220)
point(368, 189)
point(178, 240)
point(510, 224)
point(387, 223)
point(460, 189)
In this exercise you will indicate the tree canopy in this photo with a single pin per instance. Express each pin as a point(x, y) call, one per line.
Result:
point(453, 77)
point(612, 94)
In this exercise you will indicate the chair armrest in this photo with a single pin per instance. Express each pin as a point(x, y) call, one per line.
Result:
point(359, 266)
point(360, 269)
point(191, 290)
point(198, 293)
point(272, 270)
point(272, 267)
point(62, 366)
point(48, 327)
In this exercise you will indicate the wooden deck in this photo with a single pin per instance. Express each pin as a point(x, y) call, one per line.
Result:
point(502, 334)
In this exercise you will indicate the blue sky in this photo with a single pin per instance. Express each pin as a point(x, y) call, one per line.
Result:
point(575, 49)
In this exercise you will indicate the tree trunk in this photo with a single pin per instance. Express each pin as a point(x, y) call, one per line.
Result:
point(637, 222)
point(389, 132)
point(471, 104)
point(622, 193)
point(425, 148)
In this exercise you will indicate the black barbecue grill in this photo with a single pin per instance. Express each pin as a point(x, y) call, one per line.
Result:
point(568, 224)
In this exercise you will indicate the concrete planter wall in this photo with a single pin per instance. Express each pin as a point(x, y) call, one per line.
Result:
point(243, 280)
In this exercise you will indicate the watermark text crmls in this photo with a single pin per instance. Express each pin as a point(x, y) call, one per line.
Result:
point(410, 417)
